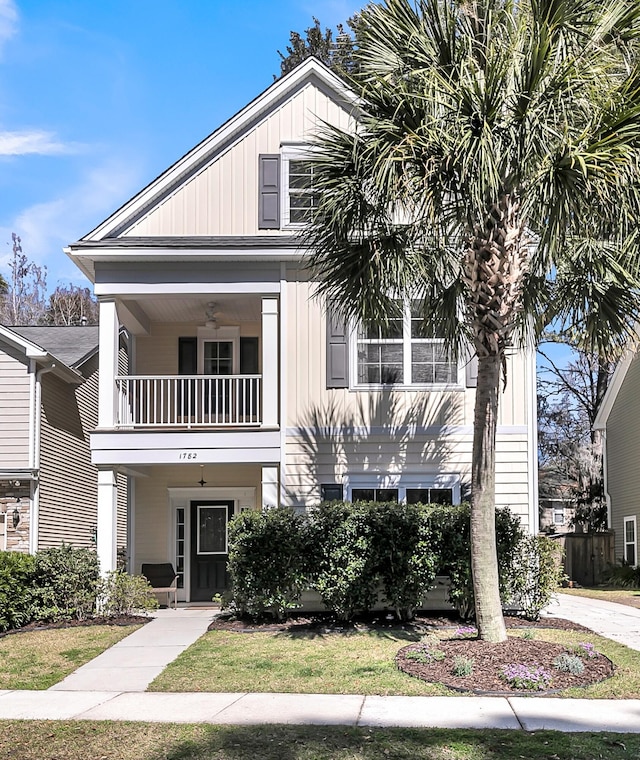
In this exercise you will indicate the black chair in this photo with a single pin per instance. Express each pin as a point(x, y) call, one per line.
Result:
point(163, 579)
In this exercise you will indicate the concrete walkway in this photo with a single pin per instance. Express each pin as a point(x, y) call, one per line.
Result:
point(132, 663)
point(613, 621)
point(111, 687)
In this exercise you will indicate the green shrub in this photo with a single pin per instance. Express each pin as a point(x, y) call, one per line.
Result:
point(65, 583)
point(404, 558)
point(345, 569)
point(122, 594)
point(569, 663)
point(269, 554)
point(462, 666)
point(623, 575)
point(16, 589)
point(536, 575)
point(450, 526)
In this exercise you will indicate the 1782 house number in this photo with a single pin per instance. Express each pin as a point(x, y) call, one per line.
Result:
point(188, 455)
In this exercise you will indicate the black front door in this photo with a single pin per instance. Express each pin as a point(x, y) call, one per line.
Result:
point(209, 551)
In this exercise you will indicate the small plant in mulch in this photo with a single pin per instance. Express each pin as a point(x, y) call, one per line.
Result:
point(467, 632)
point(462, 666)
point(426, 654)
point(569, 663)
point(585, 650)
point(529, 634)
point(526, 677)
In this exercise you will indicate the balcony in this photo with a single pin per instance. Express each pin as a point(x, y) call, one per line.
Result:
point(189, 401)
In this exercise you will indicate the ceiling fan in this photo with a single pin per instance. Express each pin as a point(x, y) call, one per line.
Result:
point(211, 314)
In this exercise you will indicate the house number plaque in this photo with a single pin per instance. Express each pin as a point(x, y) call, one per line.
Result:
point(188, 455)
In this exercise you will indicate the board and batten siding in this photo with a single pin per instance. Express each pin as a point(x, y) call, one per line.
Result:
point(14, 409)
point(68, 480)
point(623, 453)
point(222, 198)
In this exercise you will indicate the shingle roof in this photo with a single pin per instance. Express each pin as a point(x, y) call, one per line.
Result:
point(69, 344)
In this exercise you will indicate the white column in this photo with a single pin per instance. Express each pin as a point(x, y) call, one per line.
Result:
point(270, 362)
point(107, 520)
point(108, 363)
point(270, 488)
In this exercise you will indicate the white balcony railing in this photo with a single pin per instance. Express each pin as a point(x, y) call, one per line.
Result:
point(189, 401)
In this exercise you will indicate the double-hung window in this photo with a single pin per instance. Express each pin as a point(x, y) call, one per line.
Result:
point(299, 200)
point(403, 353)
point(630, 541)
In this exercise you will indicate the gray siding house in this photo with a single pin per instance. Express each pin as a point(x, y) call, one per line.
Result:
point(619, 419)
point(48, 407)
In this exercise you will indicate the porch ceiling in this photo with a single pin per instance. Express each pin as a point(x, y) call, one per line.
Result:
point(228, 309)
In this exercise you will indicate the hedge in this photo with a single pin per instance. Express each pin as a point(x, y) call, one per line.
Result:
point(356, 555)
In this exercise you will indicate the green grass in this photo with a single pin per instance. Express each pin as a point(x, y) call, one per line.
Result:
point(628, 596)
point(39, 659)
point(354, 663)
point(85, 740)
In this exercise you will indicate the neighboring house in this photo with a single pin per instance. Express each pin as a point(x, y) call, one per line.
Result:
point(242, 393)
point(48, 407)
point(619, 421)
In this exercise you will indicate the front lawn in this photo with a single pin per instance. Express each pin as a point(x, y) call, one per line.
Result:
point(346, 663)
point(52, 740)
point(39, 659)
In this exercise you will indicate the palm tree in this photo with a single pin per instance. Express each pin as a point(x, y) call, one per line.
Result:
point(497, 145)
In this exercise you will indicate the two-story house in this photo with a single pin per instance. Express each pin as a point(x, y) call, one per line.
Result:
point(243, 391)
point(48, 407)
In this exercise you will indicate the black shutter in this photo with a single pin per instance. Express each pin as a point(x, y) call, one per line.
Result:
point(471, 371)
point(249, 360)
point(337, 351)
point(187, 356)
point(269, 192)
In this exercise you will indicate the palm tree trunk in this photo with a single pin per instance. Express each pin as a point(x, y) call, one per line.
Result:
point(484, 564)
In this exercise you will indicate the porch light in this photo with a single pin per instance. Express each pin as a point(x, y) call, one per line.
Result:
point(15, 516)
point(202, 481)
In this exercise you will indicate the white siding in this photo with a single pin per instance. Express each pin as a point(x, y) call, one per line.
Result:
point(402, 432)
point(14, 409)
point(152, 515)
point(222, 199)
point(623, 447)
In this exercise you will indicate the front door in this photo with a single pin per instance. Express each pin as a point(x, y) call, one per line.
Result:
point(209, 548)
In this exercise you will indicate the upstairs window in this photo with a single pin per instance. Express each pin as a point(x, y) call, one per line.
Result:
point(403, 353)
point(302, 201)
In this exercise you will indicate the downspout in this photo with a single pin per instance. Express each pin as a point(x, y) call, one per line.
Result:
point(532, 414)
point(35, 415)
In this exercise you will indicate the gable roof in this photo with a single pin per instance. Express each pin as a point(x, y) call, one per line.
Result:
point(64, 348)
point(611, 394)
point(310, 70)
point(73, 345)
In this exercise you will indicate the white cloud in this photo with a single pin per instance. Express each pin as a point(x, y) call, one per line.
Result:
point(8, 21)
point(33, 141)
point(45, 228)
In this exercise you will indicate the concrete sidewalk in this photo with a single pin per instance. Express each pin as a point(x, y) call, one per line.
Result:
point(131, 664)
point(529, 714)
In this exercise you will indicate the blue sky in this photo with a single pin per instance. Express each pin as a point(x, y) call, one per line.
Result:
point(97, 97)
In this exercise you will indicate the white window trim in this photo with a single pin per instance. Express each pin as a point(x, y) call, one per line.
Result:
point(625, 543)
point(289, 152)
point(222, 334)
point(402, 481)
point(406, 358)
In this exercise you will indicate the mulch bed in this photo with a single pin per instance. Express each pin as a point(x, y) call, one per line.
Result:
point(327, 624)
point(123, 620)
point(489, 659)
